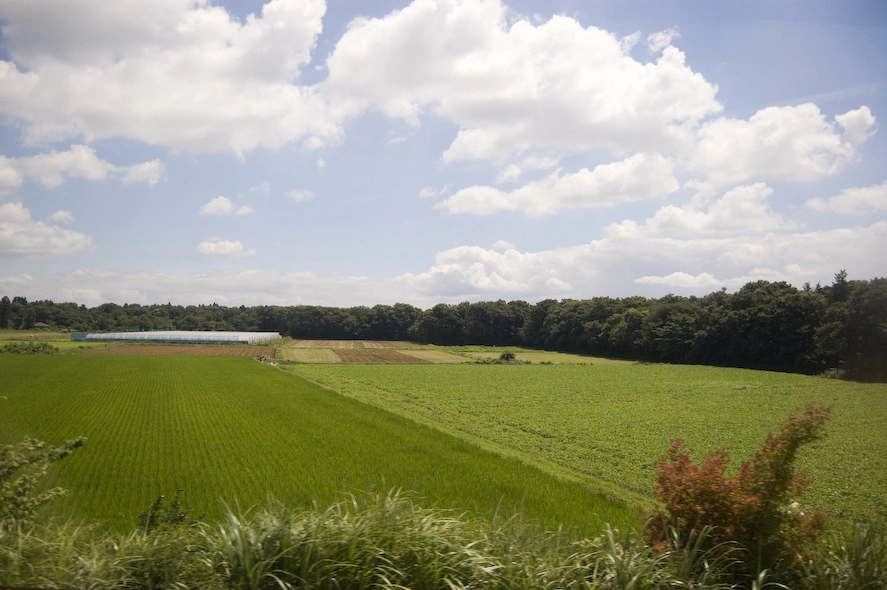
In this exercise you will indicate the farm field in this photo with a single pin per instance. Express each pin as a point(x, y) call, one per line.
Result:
point(227, 429)
point(368, 351)
point(612, 422)
point(185, 350)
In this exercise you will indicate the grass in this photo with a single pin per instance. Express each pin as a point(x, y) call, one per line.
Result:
point(392, 541)
point(611, 422)
point(229, 429)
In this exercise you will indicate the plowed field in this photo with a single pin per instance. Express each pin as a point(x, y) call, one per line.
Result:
point(186, 350)
point(376, 356)
point(351, 344)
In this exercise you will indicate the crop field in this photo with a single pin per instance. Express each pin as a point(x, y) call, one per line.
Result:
point(352, 344)
point(186, 350)
point(227, 429)
point(376, 356)
point(612, 422)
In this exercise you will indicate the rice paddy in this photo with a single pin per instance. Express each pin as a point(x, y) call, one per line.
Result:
point(233, 430)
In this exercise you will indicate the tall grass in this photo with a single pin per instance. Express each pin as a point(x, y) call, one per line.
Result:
point(392, 541)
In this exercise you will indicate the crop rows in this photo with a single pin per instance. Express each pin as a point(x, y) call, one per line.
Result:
point(237, 431)
point(186, 350)
point(612, 422)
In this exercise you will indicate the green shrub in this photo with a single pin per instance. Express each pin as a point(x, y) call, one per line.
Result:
point(21, 467)
point(30, 348)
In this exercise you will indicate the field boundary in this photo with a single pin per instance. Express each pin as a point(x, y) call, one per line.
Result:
point(598, 486)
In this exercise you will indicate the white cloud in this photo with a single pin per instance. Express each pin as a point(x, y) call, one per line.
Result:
point(21, 236)
point(263, 188)
point(793, 143)
point(858, 125)
point(226, 248)
point(503, 245)
point(615, 265)
point(224, 206)
point(662, 39)
point(742, 210)
point(512, 86)
point(632, 258)
point(148, 172)
point(513, 172)
point(302, 196)
point(639, 177)
point(62, 217)
point(430, 192)
point(79, 161)
point(178, 73)
point(683, 280)
point(854, 200)
point(320, 163)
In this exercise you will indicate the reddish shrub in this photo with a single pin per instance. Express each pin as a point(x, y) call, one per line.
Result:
point(756, 509)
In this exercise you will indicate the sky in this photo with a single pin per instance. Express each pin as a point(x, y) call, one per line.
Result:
point(350, 152)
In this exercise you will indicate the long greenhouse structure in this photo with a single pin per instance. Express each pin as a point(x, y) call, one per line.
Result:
point(180, 337)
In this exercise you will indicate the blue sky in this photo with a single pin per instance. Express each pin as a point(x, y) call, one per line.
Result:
point(354, 153)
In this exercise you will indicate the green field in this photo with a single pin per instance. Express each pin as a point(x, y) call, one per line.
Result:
point(612, 422)
point(234, 430)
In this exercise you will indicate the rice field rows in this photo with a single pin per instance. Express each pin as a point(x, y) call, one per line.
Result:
point(612, 422)
point(186, 350)
point(233, 430)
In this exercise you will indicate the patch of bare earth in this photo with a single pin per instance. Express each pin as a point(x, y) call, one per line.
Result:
point(376, 356)
point(352, 344)
point(186, 350)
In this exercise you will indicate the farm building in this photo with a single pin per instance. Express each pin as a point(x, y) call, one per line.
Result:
point(180, 337)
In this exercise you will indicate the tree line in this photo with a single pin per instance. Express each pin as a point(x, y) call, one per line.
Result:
point(840, 327)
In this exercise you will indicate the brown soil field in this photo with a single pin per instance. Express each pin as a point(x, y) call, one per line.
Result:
point(186, 350)
point(376, 356)
point(352, 344)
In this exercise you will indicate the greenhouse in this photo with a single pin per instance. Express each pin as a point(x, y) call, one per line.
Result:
point(180, 337)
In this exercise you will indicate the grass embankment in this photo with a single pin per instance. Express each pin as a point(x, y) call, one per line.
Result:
point(612, 422)
point(235, 430)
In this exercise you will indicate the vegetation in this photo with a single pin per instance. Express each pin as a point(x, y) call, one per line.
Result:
point(756, 510)
point(235, 429)
point(393, 541)
point(612, 422)
point(839, 328)
point(22, 466)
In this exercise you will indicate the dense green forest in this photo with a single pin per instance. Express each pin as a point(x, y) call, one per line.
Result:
point(764, 325)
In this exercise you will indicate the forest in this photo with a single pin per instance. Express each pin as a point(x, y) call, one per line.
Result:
point(838, 329)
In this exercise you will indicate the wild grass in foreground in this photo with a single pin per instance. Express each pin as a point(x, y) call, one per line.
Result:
point(391, 541)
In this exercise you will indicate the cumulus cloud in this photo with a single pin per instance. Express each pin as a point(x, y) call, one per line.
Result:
point(513, 172)
point(700, 264)
point(662, 39)
point(22, 236)
point(638, 177)
point(511, 85)
point(854, 200)
point(743, 209)
point(62, 217)
point(147, 172)
point(79, 161)
point(793, 143)
point(176, 73)
point(302, 196)
point(226, 248)
point(683, 280)
point(224, 206)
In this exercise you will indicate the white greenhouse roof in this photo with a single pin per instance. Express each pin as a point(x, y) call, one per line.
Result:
point(206, 337)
